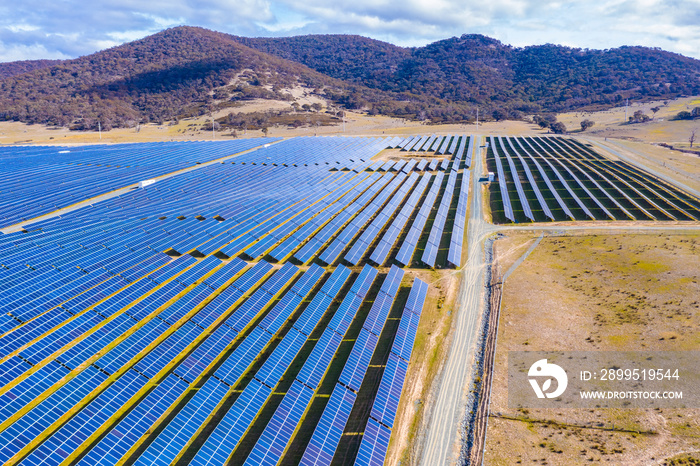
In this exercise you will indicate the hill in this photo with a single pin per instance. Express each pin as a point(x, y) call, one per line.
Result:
point(14, 68)
point(479, 70)
point(188, 71)
point(175, 73)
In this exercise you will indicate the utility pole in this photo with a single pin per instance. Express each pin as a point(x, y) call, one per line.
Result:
point(343, 121)
point(213, 131)
point(477, 118)
point(99, 128)
point(627, 102)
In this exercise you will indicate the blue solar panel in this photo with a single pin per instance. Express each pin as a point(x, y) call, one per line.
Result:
point(225, 273)
point(222, 442)
point(124, 435)
point(242, 317)
point(278, 315)
point(364, 281)
point(406, 335)
point(279, 361)
point(279, 430)
point(34, 385)
point(252, 276)
point(96, 341)
point(329, 429)
point(345, 313)
point(169, 270)
point(358, 361)
point(392, 281)
point(336, 281)
point(528, 174)
point(167, 350)
point(182, 428)
point(416, 298)
point(89, 256)
point(375, 443)
point(120, 355)
point(11, 369)
point(507, 207)
point(71, 435)
point(21, 432)
point(205, 353)
point(386, 402)
point(237, 363)
point(320, 358)
point(63, 335)
point(308, 280)
point(408, 247)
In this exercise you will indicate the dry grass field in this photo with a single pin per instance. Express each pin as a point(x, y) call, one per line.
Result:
point(605, 292)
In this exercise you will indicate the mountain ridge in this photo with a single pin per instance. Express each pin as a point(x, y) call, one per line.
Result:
point(188, 71)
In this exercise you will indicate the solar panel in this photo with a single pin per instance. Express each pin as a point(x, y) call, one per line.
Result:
point(183, 426)
point(205, 353)
point(386, 402)
point(221, 443)
point(71, 435)
point(546, 179)
point(236, 364)
point(358, 361)
point(326, 436)
point(124, 435)
point(507, 207)
point(374, 446)
point(515, 176)
point(530, 178)
point(22, 431)
point(279, 430)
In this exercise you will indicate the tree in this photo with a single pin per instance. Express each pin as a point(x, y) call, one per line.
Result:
point(691, 139)
point(655, 109)
point(499, 115)
point(540, 121)
point(684, 115)
point(585, 124)
point(558, 128)
point(695, 113)
point(265, 130)
point(639, 117)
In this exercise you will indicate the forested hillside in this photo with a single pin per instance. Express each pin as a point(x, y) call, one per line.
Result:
point(188, 71)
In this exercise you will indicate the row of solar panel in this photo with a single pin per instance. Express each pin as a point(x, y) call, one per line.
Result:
point(165, 327)
point(51, 178)
point(408, 166)
point(577, 183)
point(432, 246)
point(375, 440)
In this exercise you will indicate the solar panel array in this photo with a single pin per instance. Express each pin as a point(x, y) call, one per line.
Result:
point(134, 320)
point(375, 440)
point(557, 178)
point(330, 427)
point(436, 232)
point(454, 255)
point(38, 180)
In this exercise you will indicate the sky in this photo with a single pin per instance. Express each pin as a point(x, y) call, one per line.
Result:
point(34, 29)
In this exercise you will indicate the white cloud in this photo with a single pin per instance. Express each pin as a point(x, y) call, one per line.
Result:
point(41, 29)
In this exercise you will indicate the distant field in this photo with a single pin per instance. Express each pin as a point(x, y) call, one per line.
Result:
point(600, 292)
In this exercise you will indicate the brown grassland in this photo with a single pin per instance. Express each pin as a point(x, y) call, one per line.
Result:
point(596, 292)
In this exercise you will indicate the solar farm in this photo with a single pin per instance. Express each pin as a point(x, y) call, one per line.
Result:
point(541, 179)
point(258, 304)
point(259, 300)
